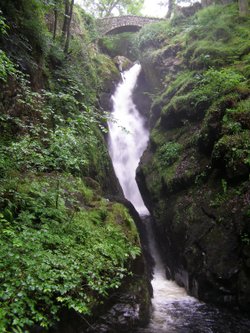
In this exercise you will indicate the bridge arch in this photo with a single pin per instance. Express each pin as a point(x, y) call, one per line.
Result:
point(126, 23)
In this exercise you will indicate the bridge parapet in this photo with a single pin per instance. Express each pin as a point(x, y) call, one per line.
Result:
point(109, 24)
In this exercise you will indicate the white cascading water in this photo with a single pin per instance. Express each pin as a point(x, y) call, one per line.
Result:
point(128, 138)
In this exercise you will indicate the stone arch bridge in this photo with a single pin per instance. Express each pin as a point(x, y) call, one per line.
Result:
point(126, 23)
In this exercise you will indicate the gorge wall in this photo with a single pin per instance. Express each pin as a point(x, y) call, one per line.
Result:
point(194, 176)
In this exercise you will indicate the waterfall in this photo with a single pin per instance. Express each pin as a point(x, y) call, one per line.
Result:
point(173, 310)
point(128, 138)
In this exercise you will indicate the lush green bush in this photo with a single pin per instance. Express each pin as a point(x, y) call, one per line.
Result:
point(3, 25)
point(154, 34)
point(169, 153)
point(56, 253)
point(238, 118)
point(233, 150)
point(215, 83)
point(6, 66)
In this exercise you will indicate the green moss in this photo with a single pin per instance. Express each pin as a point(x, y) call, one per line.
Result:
point(179, 104)
point(237, 119)
point(203, 54)
point(182, 83)
point(233, 150)
point(153, 178)
point(168, 153)
point(154, 34)
point(190, 102)
point(169, 173)
point(159, 136)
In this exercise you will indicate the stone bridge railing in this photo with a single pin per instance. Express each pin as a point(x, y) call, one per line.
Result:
point(118, 24)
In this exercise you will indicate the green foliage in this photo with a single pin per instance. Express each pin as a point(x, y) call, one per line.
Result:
point(215, 83)
point(33, 25)
point(193, 92)
point(224, 185)
point(70, 145)
point(3, 25)
point(182, 82)
point(221, 18)
point(6, 66)
point(233, 150)
point(169, 153)
point(81, 254)
point(237, 119)
point(86, 23)
point(154, 34)
point(105, 8)
point(220, 41)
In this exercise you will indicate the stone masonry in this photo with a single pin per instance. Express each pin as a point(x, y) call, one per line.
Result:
point(118, 24)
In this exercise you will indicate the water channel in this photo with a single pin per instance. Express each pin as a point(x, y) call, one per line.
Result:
point(173, 310)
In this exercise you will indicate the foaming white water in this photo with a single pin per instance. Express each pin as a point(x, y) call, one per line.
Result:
point(128, 138)
point(168, 296)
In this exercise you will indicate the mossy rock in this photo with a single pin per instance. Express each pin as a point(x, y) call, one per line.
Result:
point(212, 125)
point(232, 152)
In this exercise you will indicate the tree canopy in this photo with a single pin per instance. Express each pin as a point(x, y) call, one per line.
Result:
point(104, 8)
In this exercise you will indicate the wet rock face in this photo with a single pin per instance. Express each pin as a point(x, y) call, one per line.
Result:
point(194, 178)
point(122, 63)
point(122, 317)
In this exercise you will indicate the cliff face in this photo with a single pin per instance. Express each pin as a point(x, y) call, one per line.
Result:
point(194, 175)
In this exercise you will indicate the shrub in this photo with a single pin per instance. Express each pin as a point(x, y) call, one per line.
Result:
point(237, 118)
point(215, 83)
point(154, 34)
point(3, 25)
point(6, 66)
point(233, 150)
point(55, 254)
point(169, 153)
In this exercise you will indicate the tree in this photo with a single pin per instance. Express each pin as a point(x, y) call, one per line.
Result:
point(170, 4)
point(243, 7)
point(56, 7)
point(66, 47)
point(66, 19)
point(104, 8)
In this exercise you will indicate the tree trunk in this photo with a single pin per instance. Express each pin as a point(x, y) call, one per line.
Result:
point(66, 19)
point(66, 48)
point(243, 7)
point(55, 22)
point(171, 4)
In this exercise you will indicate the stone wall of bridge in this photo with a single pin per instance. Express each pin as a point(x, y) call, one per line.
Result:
point(109, 24)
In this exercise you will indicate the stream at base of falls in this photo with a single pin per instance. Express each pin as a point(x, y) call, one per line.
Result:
point(173, 311)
